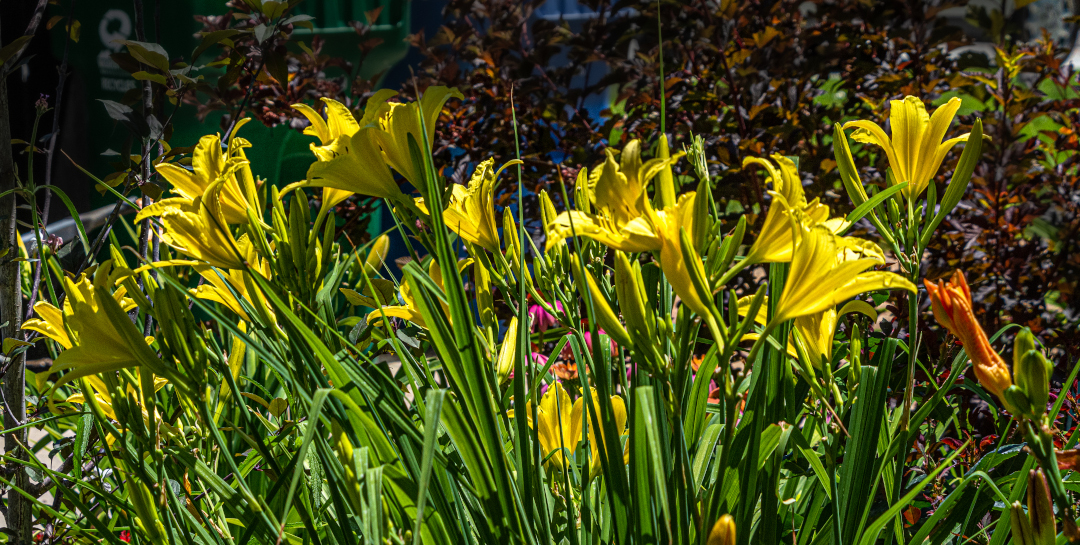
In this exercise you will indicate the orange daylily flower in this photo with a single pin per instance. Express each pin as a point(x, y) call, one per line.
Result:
point(952, 308)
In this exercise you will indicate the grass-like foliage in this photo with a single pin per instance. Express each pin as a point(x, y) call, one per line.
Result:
point(263, 382)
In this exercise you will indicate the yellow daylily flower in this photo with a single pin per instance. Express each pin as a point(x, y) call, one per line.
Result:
point(626, 221)
point(402, 120)
point(104, 401)
point(471, 210)
point(560, 424)
point(358, 167)
point(92, 341)
point(553, 426)
point(916, 149)
point(652, 232)
point(774, 243)
point(637, 235)
point(209, 165)
point(406, 311)
point(409, 310)
point(334, 134)
point(619, 188)
point(50, 321)
point(200, 231)
point(669, 223)
point(221, 285)
point(618, 406)
point(815, 332)
point(827, 270)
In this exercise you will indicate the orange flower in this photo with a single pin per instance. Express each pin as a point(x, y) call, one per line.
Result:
point(952, 308)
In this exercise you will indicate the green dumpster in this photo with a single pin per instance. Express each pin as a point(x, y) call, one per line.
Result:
point(279, 154)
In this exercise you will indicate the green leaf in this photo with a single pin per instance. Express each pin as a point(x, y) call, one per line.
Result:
point(770, 439)
point(864, 208)
point(150, 54)
point(12, 49)
point(147, 76)
point(869, 536)
point(959, 182)
point(211, 39)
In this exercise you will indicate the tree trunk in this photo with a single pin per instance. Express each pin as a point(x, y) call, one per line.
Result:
point(18, 508)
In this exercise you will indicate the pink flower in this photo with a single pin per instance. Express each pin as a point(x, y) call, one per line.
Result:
point(539, 359)
point(542, 320)
point(568, 353)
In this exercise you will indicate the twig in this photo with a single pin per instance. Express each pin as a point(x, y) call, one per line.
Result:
point(243, 103)
point(49, 158)
point(54, 135)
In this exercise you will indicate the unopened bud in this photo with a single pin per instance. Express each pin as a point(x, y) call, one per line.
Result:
point(894, 212)
point(377, 254)
point(723, 532)
point(1040, 509)
point(629, 286)
point(605, 316)
point(1021, 526)
point(855, 354)
point(1015, 401)
point(1031, 371)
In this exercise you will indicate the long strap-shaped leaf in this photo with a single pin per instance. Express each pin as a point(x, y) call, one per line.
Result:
point(869, 536)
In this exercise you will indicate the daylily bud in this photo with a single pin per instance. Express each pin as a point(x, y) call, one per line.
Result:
point(665, 183)
point(1017, 402)
point(894, 212)
point(547, 210)
point(605, 317)
point(344, 449)
point(640, 323)
point(1032, 371)
point(485, 301)
point(855, 354)
point(1040, 509)
point(723, 532)
point(582, 194)
point(1024, 342)
point(696, 269)
point(377, 254)
point(849, 174)
point(504, 365)
point(702, 216)
point(952, 308)
point(730, 246)
point(146, 512)
point(510, 237)
point(1021, 527)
